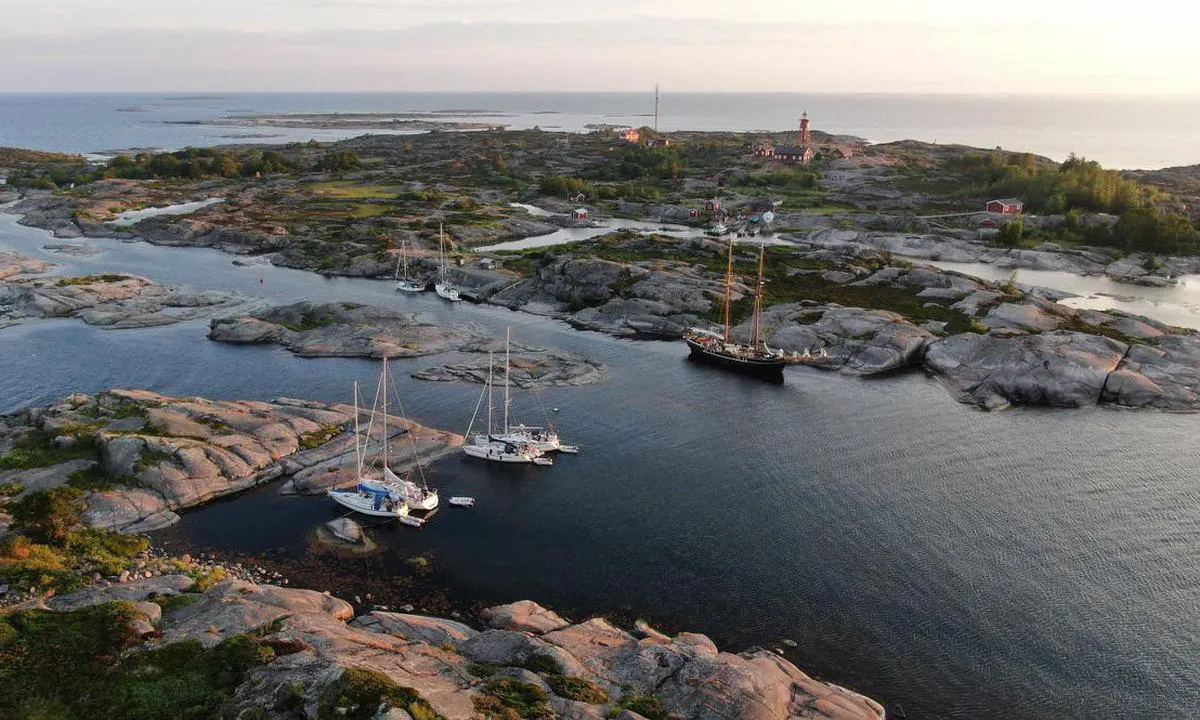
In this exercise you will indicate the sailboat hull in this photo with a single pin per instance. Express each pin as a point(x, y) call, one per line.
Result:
point(447, 291)
point(410, 286)
point(767, 368)
point(365, 504)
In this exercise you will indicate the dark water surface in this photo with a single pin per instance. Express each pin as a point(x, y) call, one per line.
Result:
point(1032, 563)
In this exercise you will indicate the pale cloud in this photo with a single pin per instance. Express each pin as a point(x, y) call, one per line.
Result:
point(1039, 46)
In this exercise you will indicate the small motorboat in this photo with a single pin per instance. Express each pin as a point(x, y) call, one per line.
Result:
point(462, 501)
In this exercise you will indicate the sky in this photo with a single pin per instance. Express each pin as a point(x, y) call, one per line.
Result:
point(840, 46)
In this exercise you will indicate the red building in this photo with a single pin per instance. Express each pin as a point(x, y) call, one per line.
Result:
point(801, 154)
point(764, 151)
point(579, 214)
point(632, 135)
point(1006, 206)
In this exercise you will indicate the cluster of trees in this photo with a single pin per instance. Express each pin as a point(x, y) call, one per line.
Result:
point(563, 186)
point(640, 163)
point(189, 163)
point(1047, 188)
point(1141, 230)
point(798, 180)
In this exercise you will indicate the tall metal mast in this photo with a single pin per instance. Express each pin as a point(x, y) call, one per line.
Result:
point(385, 434)
point(729, 294)
point(655, 107)
point(507, 336)
point(758, 298)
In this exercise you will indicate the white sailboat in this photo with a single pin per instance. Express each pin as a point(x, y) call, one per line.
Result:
point(493, 449)
point(379, 492)
point(545, 439)
point(444, 287)
point(404, 283)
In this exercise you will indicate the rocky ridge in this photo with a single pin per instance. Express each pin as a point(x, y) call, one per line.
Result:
point(457, 669)
point(114, 301)
point(147, 455)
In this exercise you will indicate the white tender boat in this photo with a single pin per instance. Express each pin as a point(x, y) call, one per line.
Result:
point(404, 283)
point(443, 287)
point(379, 491)
point(491, 447)
point(462, 501)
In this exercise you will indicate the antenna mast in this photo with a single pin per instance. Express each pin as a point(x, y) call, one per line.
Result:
point(656, 107)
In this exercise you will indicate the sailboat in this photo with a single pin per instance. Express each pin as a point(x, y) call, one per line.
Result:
point(379, 492)
point(493, 448)
point(444, 287)
point(546, 438)
point(405, 283)
point(720, 349)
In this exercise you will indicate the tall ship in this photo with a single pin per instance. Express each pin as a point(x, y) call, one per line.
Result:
point(719, 348)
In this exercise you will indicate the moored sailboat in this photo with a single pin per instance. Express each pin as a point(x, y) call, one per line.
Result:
point(494, 448)
point(545, 438)
point(443, 287)
point(404, 283)
point(720, 348)
point(379, 491)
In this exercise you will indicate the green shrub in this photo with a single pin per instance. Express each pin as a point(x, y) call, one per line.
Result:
point(573, 688)
point(47, 516)
point(36, 449)
point(542, 663)
point(508, 699)
point(359, 692)
point(648, 706)
point(10, 489)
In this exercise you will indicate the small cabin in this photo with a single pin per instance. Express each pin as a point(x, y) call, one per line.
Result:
point(1006, 206)
point(486, 263)
point(659, 142)
point(693, 213)
point(579, 214)
point(802, 154)
point(632, 135)
point(764, 151)
point(712, 206)
point(578, 197)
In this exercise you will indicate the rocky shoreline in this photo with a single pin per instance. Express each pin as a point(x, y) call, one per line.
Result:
point(138, 457)
point(588, 670)
point(112, 300)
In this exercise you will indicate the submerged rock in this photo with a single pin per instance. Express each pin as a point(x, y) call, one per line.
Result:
point(346, 530)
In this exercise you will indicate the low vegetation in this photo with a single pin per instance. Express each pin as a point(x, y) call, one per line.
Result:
point(77, 664)
point(573, 688)
point(359, 693)
point(508, 699)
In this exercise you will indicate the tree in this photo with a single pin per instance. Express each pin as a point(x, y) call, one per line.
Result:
point(1011, 233)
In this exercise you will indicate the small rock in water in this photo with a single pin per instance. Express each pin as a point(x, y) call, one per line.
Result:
point(406, 608)
point(346, 530)
point(123, 577)
point(790, 643)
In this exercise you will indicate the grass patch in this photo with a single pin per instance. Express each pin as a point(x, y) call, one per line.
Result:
point(93, 279)
point(11, 489)
point(171, 603)
point(573, 688)
point(483, 669)
point(358, 693)
point(93, 479)
point(317, 438)
point(342, 190)
point(36, 449)
point(64, 566)
point(648, 706)
point(542, 663)
point(507, 699)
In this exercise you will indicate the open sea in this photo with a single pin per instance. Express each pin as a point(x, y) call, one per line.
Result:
point(1120, 132)
point(954, 563)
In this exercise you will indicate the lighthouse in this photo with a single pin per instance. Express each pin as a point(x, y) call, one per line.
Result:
point(805, 133)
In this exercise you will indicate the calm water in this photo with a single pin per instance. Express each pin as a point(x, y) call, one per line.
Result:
point(1033, 564)
point(1119, 132)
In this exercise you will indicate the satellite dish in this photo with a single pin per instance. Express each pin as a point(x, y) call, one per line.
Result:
point(767, 217)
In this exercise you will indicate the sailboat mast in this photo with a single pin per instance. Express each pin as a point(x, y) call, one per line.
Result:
point(489, 390)
point(758, 298)
point(404, 257)
point(729, 295)
point(442, 252)
point(507, 337)
point(383, 381)
point(358, 456)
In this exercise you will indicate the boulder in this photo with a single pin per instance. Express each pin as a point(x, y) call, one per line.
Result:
point(523, 616)
point(431, 630)
point(346, 530)
point(133, 591)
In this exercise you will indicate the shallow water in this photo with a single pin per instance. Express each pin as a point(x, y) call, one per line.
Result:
point(963, 564)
